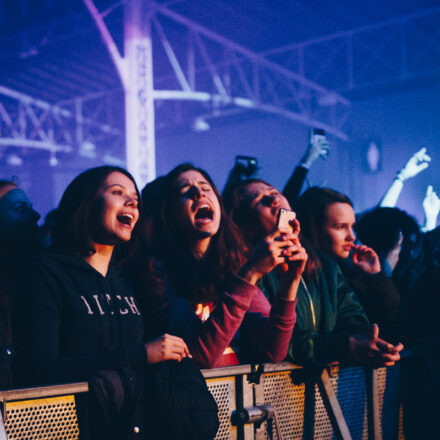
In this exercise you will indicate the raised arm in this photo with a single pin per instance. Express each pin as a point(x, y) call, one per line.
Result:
point(166, 310)
point(208, 340)
point(318, 147)
point(431, 206)
point(416, 164)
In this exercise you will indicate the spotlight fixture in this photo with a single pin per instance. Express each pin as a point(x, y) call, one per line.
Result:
point(200, 124)
point(87, 149)
point(14, 160)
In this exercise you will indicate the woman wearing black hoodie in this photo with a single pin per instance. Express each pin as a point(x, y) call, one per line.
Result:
point(78, 315)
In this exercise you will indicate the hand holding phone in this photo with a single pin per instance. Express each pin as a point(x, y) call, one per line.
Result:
point(285, 219)
point(318, 147)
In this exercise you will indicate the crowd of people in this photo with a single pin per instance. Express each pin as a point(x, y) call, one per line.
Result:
point(135, 292)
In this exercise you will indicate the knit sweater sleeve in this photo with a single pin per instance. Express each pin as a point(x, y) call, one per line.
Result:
point(266, 331)
point(42, 310)
point(206, 340)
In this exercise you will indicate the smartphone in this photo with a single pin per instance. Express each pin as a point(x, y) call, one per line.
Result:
point(249, 164)
point(317, 134)
point(285, 216)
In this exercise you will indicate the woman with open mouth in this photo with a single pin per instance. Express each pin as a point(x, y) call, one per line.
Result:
point(200, 285)
point(79, 319)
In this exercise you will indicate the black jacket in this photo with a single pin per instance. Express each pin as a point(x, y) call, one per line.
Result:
point(75, 322)
point(169, 400)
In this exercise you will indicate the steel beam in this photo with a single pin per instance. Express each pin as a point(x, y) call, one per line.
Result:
point(139, 100)
point(26, 122)
point(361, 58)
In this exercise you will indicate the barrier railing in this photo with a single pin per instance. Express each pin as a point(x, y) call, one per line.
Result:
point(283, 401)
point(270, 401)
point(41, 413)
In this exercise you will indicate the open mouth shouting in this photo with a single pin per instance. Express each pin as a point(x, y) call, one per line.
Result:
point(203, 214)
point(126, 219)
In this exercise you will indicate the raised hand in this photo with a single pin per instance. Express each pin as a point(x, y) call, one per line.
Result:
point(417, 163)
point(318, 147)
point(366, 259)
point(295, 259)
point(268, 253)
point(431, 206)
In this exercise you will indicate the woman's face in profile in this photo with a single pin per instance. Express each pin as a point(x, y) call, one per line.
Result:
point(336, 236)
point(117, 210)
point(18, 220)
point(196, 206)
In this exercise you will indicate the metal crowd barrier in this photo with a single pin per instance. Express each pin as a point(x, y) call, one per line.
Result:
point(41, 413)
point(270, 401)
point(283, 401)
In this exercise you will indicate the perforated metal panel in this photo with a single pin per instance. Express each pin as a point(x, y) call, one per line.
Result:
point(51, 418)
point(351, 392)
point(389, 402)
point(288, 401)
point(223, 391)
point(323, 428)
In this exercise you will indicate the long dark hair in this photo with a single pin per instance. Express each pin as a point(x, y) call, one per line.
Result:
point(198, 279)
point(72, 231)
point(152, 196)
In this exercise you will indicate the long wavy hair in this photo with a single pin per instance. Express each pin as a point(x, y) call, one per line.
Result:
point(198, 279)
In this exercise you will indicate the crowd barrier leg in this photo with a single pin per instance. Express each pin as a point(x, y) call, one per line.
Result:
point(333, 409)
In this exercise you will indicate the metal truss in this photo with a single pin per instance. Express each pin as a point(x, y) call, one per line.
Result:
point(210, 69)
point(31, 123)
point(217, 71)
point(191, 63)
point(397, 50)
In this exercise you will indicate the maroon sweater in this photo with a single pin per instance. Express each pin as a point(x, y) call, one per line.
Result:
point(242, 313)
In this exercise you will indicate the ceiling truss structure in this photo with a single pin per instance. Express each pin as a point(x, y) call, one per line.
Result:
point(226, 75)
point(209, 69)
point(397, 50)
point(31, 123)
point(224, 78)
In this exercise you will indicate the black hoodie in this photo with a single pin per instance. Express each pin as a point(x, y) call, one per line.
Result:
point(75, 322)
